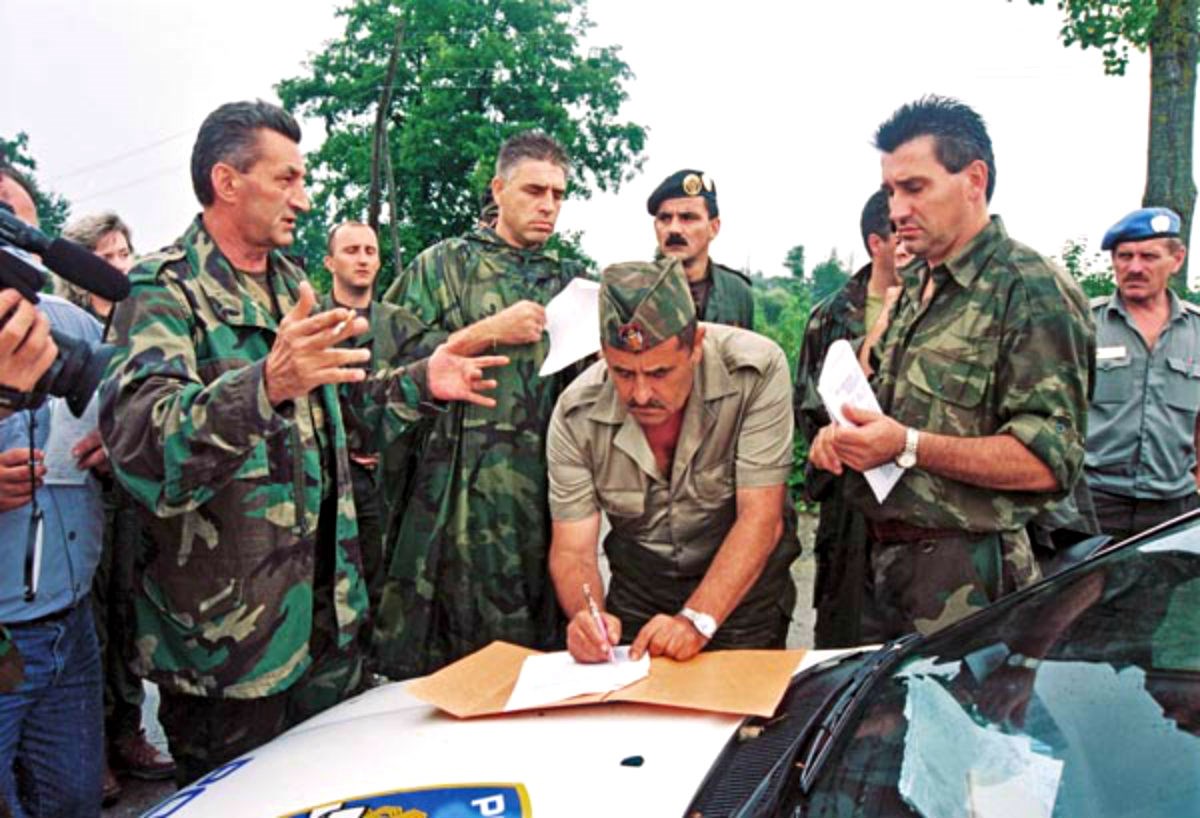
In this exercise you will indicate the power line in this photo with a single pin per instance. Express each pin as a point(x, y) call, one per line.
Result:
point(132, 183)
point(118, 157)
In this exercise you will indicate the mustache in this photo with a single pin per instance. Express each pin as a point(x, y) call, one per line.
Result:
point(650, 404)
point(676, 240)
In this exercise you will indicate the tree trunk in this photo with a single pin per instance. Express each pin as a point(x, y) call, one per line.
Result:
point(379, 141)
point(1174, 48)
point(393, 211)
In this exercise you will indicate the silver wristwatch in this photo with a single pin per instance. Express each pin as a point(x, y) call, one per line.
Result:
point(704, 624)
point(908, 458)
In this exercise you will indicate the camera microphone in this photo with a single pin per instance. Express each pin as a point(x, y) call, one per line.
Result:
point(72, 261)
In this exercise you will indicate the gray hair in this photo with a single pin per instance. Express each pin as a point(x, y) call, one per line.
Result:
point(530, 145)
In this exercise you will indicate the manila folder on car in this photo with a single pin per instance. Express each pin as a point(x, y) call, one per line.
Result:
point(745, 682)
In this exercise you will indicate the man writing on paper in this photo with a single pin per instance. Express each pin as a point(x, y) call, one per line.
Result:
point(983, 382)
point(682, 434)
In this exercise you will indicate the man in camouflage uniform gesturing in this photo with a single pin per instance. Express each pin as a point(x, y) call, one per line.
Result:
point(221, 418)
point(469, 551)
point(983, 382)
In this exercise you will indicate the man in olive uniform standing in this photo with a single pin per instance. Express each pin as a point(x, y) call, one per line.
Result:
point(682, 435)
point(686, 220)
point(468, 548)
point(1144, 421)
point(983, 383)
point(395, 336)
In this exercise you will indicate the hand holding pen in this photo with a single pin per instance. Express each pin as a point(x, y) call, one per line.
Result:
point(591, 633)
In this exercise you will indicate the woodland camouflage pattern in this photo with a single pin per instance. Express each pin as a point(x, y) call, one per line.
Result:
point(469, 537)
point(840, 541)
point(1006, 346)
point(232, 486)
point(644, 303)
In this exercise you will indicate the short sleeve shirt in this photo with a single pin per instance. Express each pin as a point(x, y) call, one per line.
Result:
point(736, 433)
point(1142, 421)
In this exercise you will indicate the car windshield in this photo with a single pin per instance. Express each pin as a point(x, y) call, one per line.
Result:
point(1081, 697)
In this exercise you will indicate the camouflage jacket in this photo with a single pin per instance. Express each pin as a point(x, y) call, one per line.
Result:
point(731, 299)
point(396, 337)
point(231, 486)
point(1005, 346)
point(840, 316)
point(470, 544)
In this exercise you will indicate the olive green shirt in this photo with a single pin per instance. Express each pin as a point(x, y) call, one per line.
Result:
point(736, 433)
point(1142, 422)
point(1004, 346)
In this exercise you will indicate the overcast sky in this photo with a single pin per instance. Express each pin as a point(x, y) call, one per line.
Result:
point(776, 101)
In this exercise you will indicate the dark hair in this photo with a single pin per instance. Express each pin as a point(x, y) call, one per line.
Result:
point(875, 220)
point(530, 145)
point(230, 134)
point(21, 180)
point(960, 135)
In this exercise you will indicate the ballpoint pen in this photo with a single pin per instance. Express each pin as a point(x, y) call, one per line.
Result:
point(587, 592)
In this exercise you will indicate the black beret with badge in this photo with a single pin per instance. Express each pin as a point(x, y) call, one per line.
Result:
point(684, 183)
point(1143, 223)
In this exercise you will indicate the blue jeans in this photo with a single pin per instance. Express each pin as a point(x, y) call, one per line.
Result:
point(51, 748)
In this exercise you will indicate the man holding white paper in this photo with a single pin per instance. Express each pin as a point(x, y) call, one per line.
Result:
point(682, 435)
point(983, 382)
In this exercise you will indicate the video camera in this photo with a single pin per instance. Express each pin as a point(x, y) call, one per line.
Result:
point(77, 371)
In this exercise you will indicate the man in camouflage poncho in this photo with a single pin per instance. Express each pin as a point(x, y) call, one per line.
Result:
point(983, 382)
point(221, 418)
point(840, 541)
point(469, 546)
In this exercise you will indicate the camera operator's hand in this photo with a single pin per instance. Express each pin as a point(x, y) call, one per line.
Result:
point(26, 348)
point(15, 490)
point(305, 353)
point(89, 454)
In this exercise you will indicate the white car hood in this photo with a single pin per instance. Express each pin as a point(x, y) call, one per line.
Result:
point(558, 762)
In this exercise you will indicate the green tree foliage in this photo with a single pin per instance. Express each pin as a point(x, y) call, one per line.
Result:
point(469, 74)
point(795, 261)
point(828, 277)
point(781, 308)
point(1170, 30)
point(53, 210)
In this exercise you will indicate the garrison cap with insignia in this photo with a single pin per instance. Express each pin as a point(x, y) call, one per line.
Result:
point(684, 183)
point(643, 303)
point(1144, 223)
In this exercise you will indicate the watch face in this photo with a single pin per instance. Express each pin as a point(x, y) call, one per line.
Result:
point(906, 460)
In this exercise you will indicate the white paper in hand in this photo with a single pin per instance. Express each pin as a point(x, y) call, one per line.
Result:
point(573, 321)
point(842, 383)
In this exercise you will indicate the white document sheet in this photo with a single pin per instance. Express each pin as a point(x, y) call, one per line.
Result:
point(573, 321)
point(65, 431)
point(843, 382)
point(553, 677)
